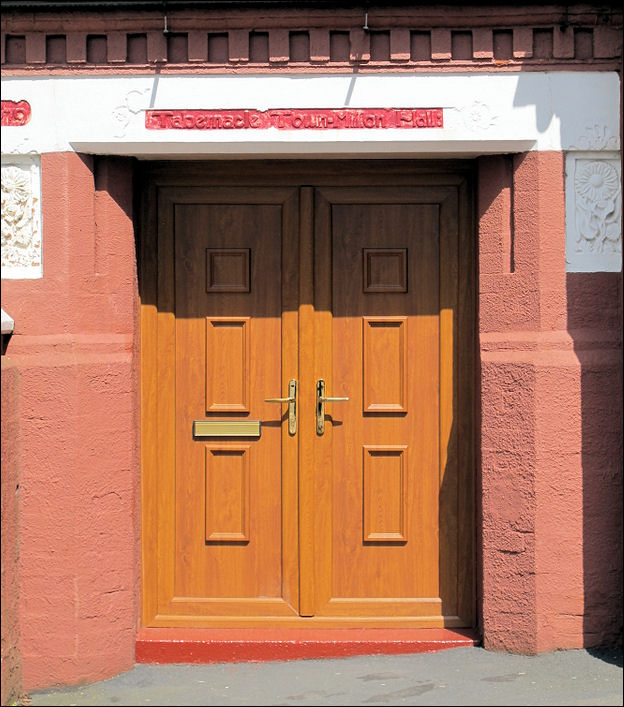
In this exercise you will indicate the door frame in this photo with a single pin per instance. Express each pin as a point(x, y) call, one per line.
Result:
point(458, 174)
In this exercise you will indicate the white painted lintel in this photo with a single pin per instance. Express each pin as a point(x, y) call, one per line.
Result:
point(303, 148)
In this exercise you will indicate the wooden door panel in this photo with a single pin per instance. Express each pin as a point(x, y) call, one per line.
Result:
point(384, 494)
point(384, 364)
point(227, 489)
point(228, 376)
point(380, 478)
point(228, 552)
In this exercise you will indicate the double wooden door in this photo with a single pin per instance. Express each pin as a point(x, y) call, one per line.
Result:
point(265, 294)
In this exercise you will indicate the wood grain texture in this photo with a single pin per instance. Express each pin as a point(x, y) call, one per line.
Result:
point(360, 280)
point(228, 375)
point(227, 488)
point(148, 284)
point(384, 494)
point(382, 579)
point(307, 402)
point(385, 269)
point(385, 364)
point(225, 346)
point(227, 270)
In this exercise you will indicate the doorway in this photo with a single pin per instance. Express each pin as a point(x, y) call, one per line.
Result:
point(307, 386)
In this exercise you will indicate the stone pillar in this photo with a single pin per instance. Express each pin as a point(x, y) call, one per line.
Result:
point(10, 477)
point(75, 348)
point(532, 472)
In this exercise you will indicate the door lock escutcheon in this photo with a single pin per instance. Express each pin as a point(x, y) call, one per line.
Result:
point(292, 405)
point(321, 399)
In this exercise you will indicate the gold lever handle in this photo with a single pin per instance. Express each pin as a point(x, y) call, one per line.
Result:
point(292, 405)
point(321, 399)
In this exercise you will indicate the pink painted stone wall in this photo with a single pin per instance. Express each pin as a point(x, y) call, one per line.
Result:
point(11, 686)
point(595, 325)
point(550, 455)
point(75, 347)
point(550, 409)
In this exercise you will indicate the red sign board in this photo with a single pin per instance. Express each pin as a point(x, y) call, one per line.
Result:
point(295, 119)
point(15, 112)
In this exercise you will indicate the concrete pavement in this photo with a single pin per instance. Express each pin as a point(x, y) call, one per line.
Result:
point(457, 676)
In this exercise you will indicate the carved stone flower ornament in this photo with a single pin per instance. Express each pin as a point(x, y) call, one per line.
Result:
point(598, 182)
point(597, 187)
point(16, 213)
point(21, 242)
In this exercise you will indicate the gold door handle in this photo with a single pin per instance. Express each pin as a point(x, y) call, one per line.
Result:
point(292, 405)
point(321, 399)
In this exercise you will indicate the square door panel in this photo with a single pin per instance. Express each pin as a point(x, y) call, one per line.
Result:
point(385, 269)
point(227, 270)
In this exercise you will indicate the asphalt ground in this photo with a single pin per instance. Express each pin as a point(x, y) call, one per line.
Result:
point(456, 676)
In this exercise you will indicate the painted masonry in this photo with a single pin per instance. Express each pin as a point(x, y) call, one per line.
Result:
point(530, 94)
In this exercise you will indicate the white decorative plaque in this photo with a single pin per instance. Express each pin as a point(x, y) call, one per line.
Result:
point(21, 218)
point(593, 212)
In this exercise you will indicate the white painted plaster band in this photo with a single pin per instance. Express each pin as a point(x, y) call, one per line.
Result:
point(483, 113)
point(575, 112)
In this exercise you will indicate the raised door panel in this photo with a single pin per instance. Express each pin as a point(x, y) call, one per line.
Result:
point(384, 363)
point(228, 379)
point(384, 494)
point(227, 494)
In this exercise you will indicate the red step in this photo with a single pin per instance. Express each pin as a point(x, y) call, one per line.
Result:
point(239, 645)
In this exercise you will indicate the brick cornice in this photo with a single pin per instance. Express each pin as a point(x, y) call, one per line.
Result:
point(444, 38)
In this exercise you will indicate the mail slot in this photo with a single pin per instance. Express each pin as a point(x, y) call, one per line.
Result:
point(226, 428)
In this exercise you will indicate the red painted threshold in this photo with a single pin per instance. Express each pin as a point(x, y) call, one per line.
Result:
point(198, 645)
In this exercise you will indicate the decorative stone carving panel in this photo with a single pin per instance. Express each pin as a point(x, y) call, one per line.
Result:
point(593, 212)
point(21, 218)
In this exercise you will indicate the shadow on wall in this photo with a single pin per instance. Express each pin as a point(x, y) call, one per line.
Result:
point(594, 323)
